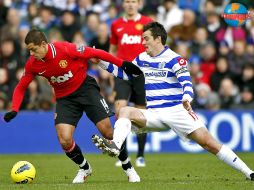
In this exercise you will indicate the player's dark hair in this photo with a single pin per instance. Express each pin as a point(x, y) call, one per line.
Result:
point(36, 37)
point(156, 30)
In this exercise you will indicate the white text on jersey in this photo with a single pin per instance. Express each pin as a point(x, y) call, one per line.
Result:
point(131, 39)
point(61, 79)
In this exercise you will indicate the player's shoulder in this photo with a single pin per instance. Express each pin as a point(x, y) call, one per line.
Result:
point(170, 53)
point(117, 21)
point(31, 60)
point(146, 19)
point(142, 56)
point(60, 45)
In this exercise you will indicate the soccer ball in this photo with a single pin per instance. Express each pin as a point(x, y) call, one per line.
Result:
point(23, 172)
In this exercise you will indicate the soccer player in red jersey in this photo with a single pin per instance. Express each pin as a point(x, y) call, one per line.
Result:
point(65, 66)
point(126, 43)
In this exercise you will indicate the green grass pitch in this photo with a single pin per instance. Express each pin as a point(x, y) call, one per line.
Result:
point(163, 171)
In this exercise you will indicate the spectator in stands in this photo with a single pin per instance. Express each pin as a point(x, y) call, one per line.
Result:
point(228, 93)
point(197, 75)
point(85, 7)
point(208, 59)
point(213, 25)
point(9, 56)
point(3, 101)
point(213, 101)
point(202, 91)
point(69, 25)
point(46, 20)
point(11, 28)
point(33, 96)
point(3, 13)
point(184, 31)
point(238, 57)
point(169, 14)
point(90, 29)
point(247, 100)
point(182, 48)
point(247, 77)
point(101, 41)
point(55, 36)
point(79, 39)
point(23, 30)
point(200, 38)
point(112, 15)
point(231, 35)
point(33, 13)
point(5, 82)
point(221, 71)
point(193, 5)
point(223, 48)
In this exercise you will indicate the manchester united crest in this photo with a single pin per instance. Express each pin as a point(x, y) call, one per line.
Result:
point(63, 64)
point(139, 26)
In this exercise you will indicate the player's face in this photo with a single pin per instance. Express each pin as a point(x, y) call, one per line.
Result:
point(149, 43)
point(38, 51)
point(131, 7)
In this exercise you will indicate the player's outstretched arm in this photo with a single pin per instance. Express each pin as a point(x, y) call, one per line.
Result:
point(18, 96)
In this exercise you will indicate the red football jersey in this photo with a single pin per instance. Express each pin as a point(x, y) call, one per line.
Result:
point(127, 35)
point(64, 66)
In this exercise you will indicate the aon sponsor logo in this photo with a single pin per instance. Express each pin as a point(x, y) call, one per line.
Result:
point(61, 79)
point(156, 74)
point(131, 39)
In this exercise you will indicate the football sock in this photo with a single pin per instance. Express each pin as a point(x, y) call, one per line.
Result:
point(121, 130)
point(75, 154)
point(84, 165)
point(123, 157)
point(229, 157)
point(141, 144)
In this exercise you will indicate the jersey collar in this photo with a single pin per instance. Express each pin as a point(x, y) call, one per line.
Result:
point(137, 17)
point(51, 54)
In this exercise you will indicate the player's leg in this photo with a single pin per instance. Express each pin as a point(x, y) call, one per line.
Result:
point(123, 91)
point(139, 98)
point(98, 112)
point(119, 103)
point(67, 117)
point(205, 139)
point(141, 139)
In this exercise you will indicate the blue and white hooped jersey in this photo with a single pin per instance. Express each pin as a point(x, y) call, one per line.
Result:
point(167, 79)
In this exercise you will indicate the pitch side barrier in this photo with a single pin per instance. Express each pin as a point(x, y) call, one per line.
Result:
point(34, 132)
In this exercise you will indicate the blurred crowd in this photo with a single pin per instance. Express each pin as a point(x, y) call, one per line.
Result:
point(221, 58)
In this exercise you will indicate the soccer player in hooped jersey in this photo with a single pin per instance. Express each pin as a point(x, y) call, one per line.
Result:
point(126, 43)
point(168, 93)
point(65, 65)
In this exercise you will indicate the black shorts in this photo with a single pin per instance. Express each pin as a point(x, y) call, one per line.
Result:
point(86, 98)
point(133, 90)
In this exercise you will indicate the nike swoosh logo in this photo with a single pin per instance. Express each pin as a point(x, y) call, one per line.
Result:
point(119, 29)
point(40, 73)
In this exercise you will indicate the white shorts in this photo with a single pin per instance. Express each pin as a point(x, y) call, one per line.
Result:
point(176, 118)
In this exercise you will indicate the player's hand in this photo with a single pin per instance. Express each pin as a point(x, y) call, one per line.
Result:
point(9, 116)
point(187, 105)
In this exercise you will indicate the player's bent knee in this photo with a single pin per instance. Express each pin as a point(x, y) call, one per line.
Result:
point(125, 111)
point(65, 143)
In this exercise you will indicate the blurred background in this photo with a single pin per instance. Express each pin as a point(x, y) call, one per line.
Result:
point(221, 63)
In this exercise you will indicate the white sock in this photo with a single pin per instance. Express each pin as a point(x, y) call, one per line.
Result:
point(229, 157)
point(125, 161)
point(83, 163)
point(121, 130)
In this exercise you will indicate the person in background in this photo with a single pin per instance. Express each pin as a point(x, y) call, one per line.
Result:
point(126, 43)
